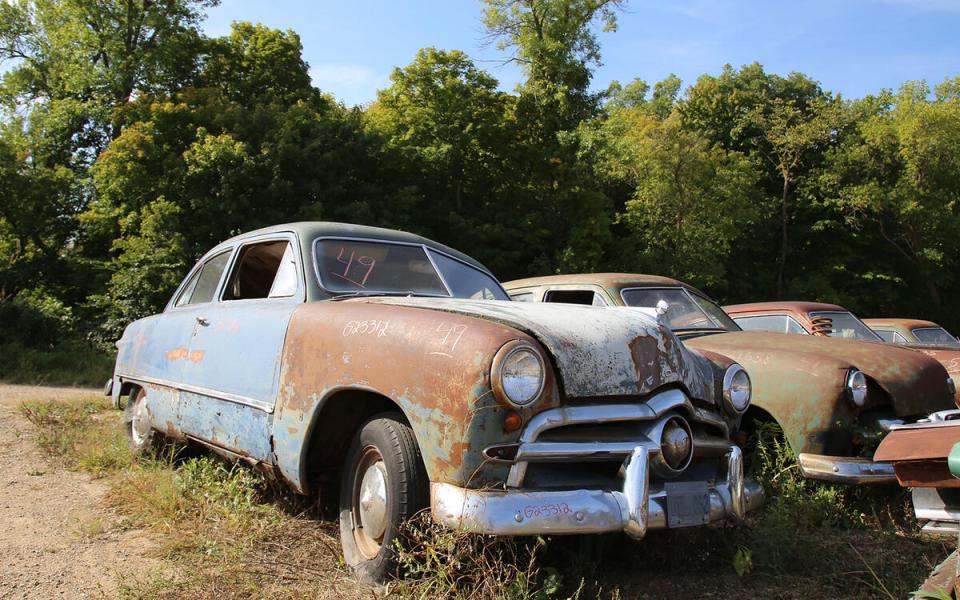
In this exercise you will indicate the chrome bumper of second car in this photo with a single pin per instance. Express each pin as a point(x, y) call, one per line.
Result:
point(634, 510)
point(845, 469)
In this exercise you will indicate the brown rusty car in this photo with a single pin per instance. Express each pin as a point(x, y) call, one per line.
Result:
point(832, 398)
point(395, 374)
point(831, 320)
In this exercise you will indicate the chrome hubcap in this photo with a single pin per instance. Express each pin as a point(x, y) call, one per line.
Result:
point(373, 501)
point(140, 424)
point(370, 502)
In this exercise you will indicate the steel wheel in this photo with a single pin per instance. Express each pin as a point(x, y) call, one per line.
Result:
point(383, 483)
point(370, 502)
point(138, 421)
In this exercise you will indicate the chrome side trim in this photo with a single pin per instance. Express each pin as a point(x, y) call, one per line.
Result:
point(196, 389)
point(845, 469)
point(634, 510)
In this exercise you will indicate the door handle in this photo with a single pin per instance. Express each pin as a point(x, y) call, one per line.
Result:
point(203, 321)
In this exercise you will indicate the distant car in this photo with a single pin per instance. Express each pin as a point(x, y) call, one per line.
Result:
point(832, 398)
point(818, 318)
point(913, 332)
point(394, 373)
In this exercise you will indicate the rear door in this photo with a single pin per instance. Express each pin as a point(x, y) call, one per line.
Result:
point(234, 368)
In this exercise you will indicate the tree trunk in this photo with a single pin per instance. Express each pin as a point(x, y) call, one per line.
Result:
point(782, 263)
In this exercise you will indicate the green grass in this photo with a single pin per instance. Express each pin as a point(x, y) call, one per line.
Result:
point(70, 363)
point(225, 532)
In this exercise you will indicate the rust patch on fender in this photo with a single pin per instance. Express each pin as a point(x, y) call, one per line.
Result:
point(176, 354)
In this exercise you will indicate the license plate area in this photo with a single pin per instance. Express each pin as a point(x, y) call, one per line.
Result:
point(688, 503)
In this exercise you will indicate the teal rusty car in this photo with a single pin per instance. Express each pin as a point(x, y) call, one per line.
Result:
point(394, 374)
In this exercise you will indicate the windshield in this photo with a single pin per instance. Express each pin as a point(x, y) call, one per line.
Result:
point(937, 336)
point(847, 326)
point(685, 310)
point(370, 267)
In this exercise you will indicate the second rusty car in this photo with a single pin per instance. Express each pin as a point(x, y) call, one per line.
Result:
point(831, 320)
point(394, 372)
point(833, 399)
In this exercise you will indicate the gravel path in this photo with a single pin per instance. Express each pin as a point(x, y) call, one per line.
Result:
point(56, 539)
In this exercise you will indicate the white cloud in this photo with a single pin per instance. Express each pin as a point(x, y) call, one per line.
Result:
point(354, 84)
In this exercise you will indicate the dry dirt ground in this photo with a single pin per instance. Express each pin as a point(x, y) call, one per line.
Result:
point(56, 539)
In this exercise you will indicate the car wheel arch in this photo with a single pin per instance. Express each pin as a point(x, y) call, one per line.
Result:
point(335, 420)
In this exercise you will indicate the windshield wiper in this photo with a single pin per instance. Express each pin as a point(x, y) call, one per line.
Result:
point(360, 294)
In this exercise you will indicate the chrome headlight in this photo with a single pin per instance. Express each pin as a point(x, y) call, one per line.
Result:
point(737, 390)
point(857, 387)
point(518, 374)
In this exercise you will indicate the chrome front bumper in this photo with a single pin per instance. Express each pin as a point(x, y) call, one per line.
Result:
point(845, 469)
point(634, 510)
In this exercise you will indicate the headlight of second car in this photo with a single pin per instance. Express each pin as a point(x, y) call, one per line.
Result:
point(857, 387)
point(737, 390)
point(519, 374)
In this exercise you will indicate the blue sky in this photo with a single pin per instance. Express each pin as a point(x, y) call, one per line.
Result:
point(854, 47)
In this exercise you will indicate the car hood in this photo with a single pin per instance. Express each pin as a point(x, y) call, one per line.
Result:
point(597, 351)
point(915, 383)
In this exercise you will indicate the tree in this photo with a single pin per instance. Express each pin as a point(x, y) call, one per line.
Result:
point(690, 201)
point(898, 178)
point(448, 134)
point(785, 125)
point(787, 137)
point(101, 54)
point(207, 162)
point(554, 42)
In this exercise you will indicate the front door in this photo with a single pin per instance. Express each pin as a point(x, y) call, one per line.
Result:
point(232, 376)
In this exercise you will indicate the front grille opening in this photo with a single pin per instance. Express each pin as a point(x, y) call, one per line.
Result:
point(615, 432)
point(566, 476)
point(605, 475)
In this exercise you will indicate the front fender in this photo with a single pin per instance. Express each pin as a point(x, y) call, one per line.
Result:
point(435, 366)
point(803, 392)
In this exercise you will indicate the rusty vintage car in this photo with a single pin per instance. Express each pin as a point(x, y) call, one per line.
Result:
point(831, 320)
point(913, 332)
point(926, 457)
point(394, 372)
point(833, 398)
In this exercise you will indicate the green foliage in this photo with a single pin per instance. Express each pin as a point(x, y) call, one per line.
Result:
point(797, 502)
point(691, 201)
point(130, 143)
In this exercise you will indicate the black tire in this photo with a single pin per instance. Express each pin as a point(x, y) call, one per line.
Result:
point(144, 439)
point(385, 447)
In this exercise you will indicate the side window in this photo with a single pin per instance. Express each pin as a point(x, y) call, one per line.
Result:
point(886, 336)
point(899, 339)
point(794, 327)
point(203, 285)
point(586, 297)
point(265, 270)
point(773, 323)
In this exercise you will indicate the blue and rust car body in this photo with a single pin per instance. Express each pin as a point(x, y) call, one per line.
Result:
point(284, 383)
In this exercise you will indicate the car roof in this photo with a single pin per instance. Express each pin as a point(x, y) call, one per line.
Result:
point(607, 280)
point(797, 306)
point(311, 230)
point(899, 322)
